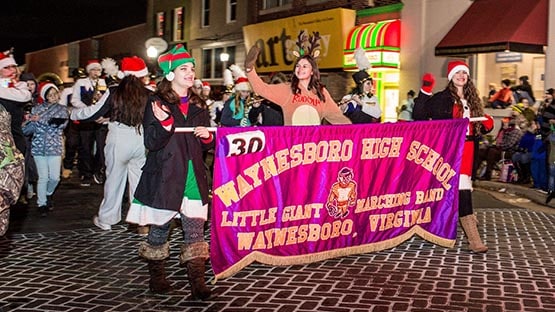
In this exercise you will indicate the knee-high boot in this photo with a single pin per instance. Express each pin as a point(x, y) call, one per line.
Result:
point(471, 230)
point(156, 255)
point(194, 257)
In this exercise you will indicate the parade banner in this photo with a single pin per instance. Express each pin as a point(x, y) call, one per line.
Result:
point(299, 194)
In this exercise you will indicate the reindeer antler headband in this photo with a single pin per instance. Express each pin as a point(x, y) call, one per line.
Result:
point(308, 44)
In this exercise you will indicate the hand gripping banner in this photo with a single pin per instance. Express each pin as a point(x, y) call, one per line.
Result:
point(292, 195)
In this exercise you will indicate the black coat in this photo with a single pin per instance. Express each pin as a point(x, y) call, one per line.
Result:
point(438, 106)
point(162, 181)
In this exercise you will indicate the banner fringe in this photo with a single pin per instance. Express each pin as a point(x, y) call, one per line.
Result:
point(335, 253)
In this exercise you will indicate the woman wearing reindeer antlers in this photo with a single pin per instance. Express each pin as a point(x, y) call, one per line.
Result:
point(305, 101)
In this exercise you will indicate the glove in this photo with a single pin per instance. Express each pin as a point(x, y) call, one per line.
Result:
point(250, 60)
point(56, 121)
point(428, 82)
point(487, 125)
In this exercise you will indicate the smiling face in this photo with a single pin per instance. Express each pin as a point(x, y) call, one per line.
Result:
point(9, 71)
point(303, 70)
point(460, 78)
point(184, 76)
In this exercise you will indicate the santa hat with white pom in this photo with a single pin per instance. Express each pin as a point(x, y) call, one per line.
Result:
point(133, 65)
point(241, 81)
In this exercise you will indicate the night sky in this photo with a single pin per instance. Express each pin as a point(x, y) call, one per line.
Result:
point(30, 25)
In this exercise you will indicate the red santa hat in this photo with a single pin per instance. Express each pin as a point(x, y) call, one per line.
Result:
point(43, 90)
point(93, 64)
point(6, 59)
point(241, 81)
point(134, 65)
point(455, 66)
point(206, 85)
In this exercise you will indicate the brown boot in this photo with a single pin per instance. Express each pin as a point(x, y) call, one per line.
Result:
point(194, 256)
point(158, 283)
point(155, 256)
point(471, 230)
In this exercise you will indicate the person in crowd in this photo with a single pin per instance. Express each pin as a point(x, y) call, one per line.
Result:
point(458, 100)
point(523, 156)
point(547, 126)
point(406, 109)
point(12, 167)
point(505, 145)
point(538, 162)
point(492, 87)
point(353, 111)
point(124, 106)
point(14, 95)
point(523, 90)
point(502, 98)
point(46, 124)
point(218, 105)
point(197, 87)
point(71, 132)
point(236, 110)
point(173, 182)
point(551, 167)
point(86, 92)
point(523, 112)
point(31, 175)
point(305, 101)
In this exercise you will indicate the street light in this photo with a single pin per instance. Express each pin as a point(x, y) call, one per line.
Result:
point(224, 57)
point(152, 52)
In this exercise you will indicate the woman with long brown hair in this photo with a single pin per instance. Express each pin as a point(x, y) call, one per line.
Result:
point(123, 105)
point(305, 101)
point(459, 99)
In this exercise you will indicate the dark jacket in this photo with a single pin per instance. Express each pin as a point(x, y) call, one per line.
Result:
point(162, 182)
point(438, 106)
point(16, 112)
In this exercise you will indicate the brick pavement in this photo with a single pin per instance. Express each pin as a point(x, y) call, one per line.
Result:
point(92, 270)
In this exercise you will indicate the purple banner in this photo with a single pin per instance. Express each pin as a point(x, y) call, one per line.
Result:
point(291, 195)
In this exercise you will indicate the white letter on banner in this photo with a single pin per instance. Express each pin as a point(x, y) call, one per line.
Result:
point(245, 143)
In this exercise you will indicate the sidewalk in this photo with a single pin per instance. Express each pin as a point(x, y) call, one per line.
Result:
point(517, 189)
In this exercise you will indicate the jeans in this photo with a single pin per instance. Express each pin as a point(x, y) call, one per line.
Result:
point(48, 168)
point(551, 179)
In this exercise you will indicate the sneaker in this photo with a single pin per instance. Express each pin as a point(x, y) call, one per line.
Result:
point(66, 173)
point(98, 178)
point(100, 225)
point(86, 181)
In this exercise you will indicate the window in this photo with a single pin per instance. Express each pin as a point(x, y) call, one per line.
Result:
point(205, 13)
point(160, 23)
point(213, 67)
point(231, 11)
point(178, 24)
point(268, 4)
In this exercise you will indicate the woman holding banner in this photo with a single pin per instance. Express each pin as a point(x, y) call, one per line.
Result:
point(305, 101)
point(173, 183)
point(458, 100)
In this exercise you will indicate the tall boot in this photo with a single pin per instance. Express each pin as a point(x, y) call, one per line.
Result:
point(471, 230)
point(155, 256)
point(194, 257)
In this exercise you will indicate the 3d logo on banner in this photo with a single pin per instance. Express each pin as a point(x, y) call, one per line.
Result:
point(292, 195)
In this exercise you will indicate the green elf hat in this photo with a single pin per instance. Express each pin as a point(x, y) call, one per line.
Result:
point(174, 58)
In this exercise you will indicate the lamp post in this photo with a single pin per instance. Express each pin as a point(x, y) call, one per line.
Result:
point(224, 57)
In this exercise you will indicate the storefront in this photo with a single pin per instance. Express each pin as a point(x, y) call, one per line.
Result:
point(381, 41)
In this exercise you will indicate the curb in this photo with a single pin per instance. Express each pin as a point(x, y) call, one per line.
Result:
point(520, 190)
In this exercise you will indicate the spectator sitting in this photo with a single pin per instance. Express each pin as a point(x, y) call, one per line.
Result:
point(523, 112)
point(506, 143)
point(523, 90)
point(503, 97)
point(523, 156)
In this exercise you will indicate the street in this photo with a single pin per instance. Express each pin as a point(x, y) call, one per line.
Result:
point(64, 263)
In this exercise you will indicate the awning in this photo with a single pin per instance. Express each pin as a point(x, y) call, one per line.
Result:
point(497, 26)
point(381, 41)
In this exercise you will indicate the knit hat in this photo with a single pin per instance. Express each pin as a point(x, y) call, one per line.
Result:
point(6, 59)
point(241, 81)
point(455, 66)
point(43, 89)
point(133, 65)
point(174, 58)
point(93, 64)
